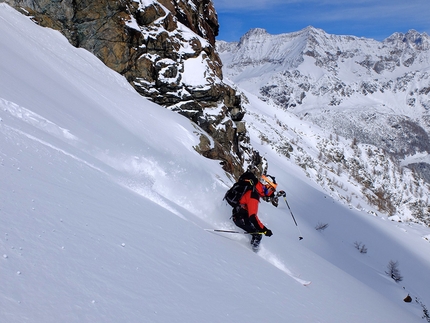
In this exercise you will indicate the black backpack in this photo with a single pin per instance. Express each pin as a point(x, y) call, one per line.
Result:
point(246, 182)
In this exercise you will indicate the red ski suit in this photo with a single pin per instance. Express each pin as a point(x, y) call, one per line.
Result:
point(249, 202)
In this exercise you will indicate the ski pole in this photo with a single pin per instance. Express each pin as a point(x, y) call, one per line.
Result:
point(231, 231)
point(300, 234)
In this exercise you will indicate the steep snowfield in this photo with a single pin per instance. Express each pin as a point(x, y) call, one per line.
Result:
point(103, 202)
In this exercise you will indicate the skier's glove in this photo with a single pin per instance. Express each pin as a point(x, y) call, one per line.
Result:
point(282, 193)
point(268, 233)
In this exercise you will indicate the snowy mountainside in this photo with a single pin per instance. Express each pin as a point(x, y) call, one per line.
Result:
point(346, 169)
point(375, 94)
point(327, 78)
point(103, 202)
point(399, 53)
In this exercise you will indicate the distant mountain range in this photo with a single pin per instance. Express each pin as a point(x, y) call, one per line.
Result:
point(370, 91)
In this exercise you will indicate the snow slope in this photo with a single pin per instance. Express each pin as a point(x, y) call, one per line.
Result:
point(103, 202)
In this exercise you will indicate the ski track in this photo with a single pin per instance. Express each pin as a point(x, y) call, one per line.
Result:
point(55, 148)
point(275, 261)
point(36, 120)
point(266, 255)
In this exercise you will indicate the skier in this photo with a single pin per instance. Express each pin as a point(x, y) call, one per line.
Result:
point(245, 214)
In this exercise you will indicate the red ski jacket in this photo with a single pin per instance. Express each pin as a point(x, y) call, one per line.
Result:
point(249, 201)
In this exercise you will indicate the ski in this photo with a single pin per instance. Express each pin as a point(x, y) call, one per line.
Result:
point(225, 231)
point(302, 281)
point(232, 231)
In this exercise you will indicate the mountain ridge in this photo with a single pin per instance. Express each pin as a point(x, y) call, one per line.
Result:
point(317, 43)
point(325, 73)
point(369, 92)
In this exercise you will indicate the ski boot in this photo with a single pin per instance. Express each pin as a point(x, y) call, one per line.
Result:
point(255, 242)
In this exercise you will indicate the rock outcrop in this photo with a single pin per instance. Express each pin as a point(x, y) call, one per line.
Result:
point(165, 49)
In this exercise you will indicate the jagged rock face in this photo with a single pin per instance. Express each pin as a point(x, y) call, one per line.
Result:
point(200, 17)
point(165, 49)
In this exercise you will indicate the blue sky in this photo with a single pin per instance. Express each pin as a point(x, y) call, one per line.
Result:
point(375, 19)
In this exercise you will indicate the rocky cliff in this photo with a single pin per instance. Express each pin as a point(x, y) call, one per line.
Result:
point(165, 49)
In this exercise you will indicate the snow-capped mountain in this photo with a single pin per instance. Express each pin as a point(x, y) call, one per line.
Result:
point(376, 92)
